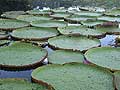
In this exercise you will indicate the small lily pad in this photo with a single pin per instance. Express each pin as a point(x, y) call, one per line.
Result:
point(21, 55)
point(64, 56)
point(49, 23)
point(34, 33)
point(79, 43)
point(81, 30)
point(74, 76)
point(39, 12)
point(12, 14)
point(19, 84)
point(30, 18)
point(8, 24)
point(107, 57)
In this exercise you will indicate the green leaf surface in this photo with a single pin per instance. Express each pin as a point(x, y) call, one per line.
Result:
point(74, 77)
point(79, 43)
point(34, 33)
point(64, 56)
point(107, 57)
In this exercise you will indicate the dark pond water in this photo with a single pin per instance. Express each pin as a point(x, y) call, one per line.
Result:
point(109, 40)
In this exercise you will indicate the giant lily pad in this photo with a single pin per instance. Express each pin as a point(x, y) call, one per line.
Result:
point(74, 77)
point(79, 43)
point(8, 24)
point(93, 22)
point(21, 56)
point(81, 30)
point(39, 12)
point(49, 23)
point(30, 18)
point(12, 14)
point(114, 12)
point(19, 84)
point(107, 57)
point(108, 18)
point(86, 13)
point(64, 56)
point(34, 33)
point(117, 80)
point(78, 18)
point(60, 15)
point(109, 29)
point(3, 42)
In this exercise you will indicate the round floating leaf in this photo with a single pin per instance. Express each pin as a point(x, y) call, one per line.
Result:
point(21, 56)
point(2, 42)
point(12, 14)
point(107, 57)
point(109, 29)
point(78, 18)
point(49, 23)
point(86, 13)
point(108, 18)
point(92, 22)
point(80, 30)
point(30, 18)
point(3, 36)
point(60, 15)
point(64, 56)
point(74, 77)
point(19, 84)
point(8, 24)
point(114, 12)
point(58, 10)
point(34, 33)
point(117, 79)
point(79, 43)
point(39, 12)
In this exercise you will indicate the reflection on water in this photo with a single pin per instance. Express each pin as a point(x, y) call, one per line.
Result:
point(17, 74)
point(109, 40)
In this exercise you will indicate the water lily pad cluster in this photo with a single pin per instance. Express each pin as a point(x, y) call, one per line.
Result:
point(24, 39)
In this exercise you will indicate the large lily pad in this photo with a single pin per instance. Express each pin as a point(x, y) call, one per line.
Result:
point(108, 18)
point(19, 84)
point(34, 33)
point(30, 18)
point(3, 42)
point(79, 43)
point(107, 57)
point(8, 24)
point(60, 15)
point(114, 12)
point(117, 80)
point(12, 14)
point(81, 30)
point(78, 18)
point(74, 77)
point(64, 56)
point(87, 13)
point(21, 56)
point(93, 22)
point(39, 12)
point(49, 23)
